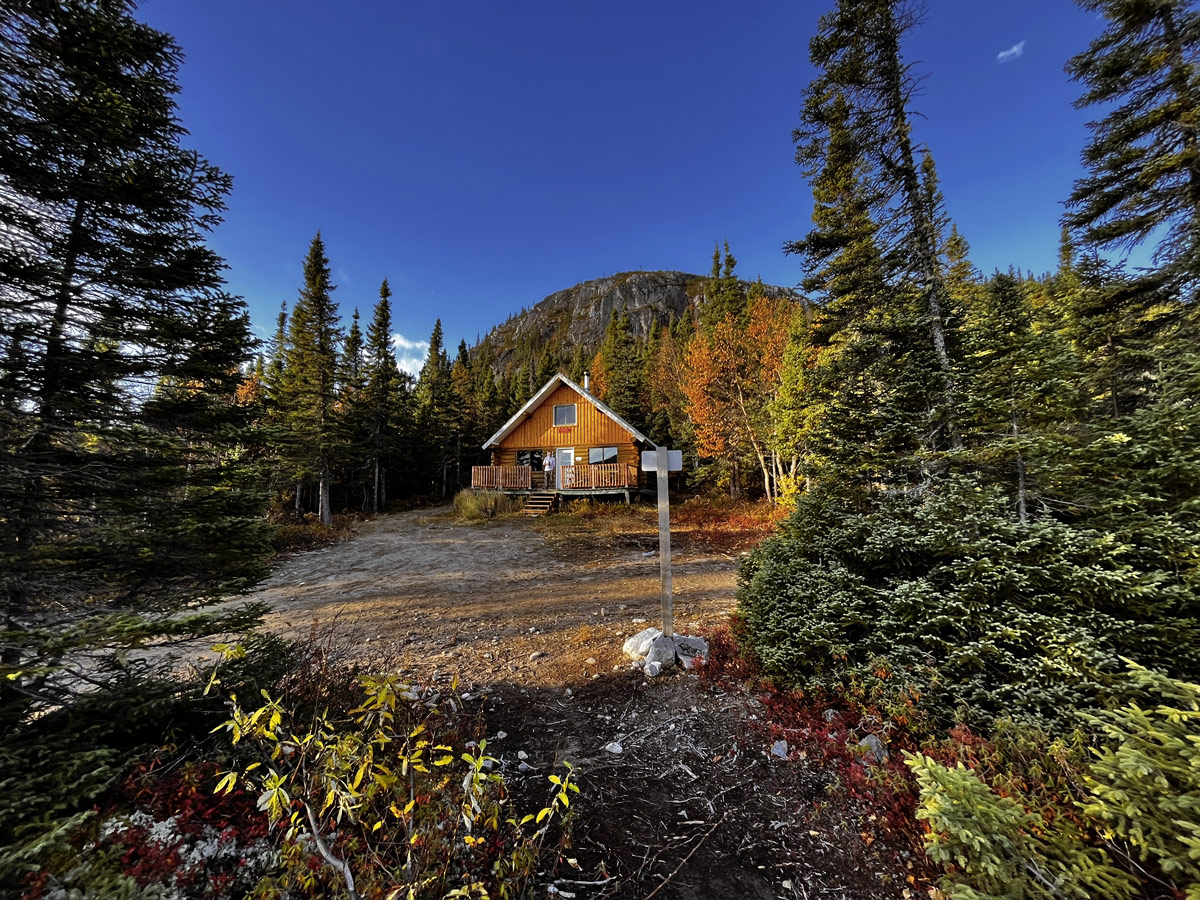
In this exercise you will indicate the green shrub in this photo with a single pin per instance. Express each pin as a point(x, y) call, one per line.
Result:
point(475, 506)
point(984, 617)
point(57, 764)
point(1045, 830)
point(1145, 780)
point(996, 849)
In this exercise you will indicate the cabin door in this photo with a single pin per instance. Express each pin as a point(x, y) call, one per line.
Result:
point(565, 456)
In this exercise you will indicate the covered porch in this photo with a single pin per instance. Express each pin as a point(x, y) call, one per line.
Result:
point(615, 476)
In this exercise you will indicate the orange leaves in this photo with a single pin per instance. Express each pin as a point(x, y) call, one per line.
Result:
point(732, 374)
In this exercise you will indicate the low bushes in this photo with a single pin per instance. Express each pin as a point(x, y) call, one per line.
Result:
point(475, 506)
point(1041, 763)
point(983, 617)
point(1129, 812)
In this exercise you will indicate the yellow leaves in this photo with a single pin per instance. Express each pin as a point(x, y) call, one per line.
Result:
point(227, 783)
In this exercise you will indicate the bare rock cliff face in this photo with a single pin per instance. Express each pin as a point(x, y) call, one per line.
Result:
point(579, 315)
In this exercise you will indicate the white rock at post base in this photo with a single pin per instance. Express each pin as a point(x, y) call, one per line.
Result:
point(662, 651)
point(638, 646)
point(689, 649)
point(652, 669)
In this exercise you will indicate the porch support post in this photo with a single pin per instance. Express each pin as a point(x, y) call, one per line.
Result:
point(664, 544)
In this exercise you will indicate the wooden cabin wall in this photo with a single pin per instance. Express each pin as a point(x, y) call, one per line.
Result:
point(591, 429)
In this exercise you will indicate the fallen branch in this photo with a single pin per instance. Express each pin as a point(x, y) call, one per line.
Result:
point(685, 859)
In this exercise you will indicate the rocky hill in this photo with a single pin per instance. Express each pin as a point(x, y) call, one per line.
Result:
point(577, 316)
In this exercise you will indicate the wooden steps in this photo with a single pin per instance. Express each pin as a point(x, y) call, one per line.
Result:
point(539, 503)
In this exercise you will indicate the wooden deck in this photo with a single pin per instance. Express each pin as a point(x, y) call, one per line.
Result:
point(586, 478)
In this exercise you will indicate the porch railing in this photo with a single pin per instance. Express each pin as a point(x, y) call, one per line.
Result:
point(604, 475)
point(501, 478)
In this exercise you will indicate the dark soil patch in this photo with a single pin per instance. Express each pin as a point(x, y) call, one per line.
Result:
point(694, 806)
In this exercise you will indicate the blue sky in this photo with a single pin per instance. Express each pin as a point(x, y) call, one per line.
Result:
point(481, 155)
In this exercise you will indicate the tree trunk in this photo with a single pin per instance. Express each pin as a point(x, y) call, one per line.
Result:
point(1016, 433)
point(326, 513)
point(924, 244)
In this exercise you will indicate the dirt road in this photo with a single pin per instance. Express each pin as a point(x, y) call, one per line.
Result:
point(481, 598)
point(531, 618)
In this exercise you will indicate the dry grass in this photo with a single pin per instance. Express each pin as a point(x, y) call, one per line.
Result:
point(471, 506)
point(703, 523)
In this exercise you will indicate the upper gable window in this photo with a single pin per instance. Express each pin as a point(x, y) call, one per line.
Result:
point(564, 415)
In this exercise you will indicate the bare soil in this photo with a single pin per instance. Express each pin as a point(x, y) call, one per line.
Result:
point(531, 615)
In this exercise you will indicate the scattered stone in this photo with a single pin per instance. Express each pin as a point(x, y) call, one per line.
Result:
point(780, 749)
point(537, 654)
point(640, 621)
point(524, 767)
point(522, 755)
point(829, 715)
point(638, 646)
point(614, 748)
point(590, 661)
point(617, 667)
point(690, 649)
point(647, 553)
point(875, 749)
point(570, 693)
point(501, 735)
point(662, 651)
point(653, 669)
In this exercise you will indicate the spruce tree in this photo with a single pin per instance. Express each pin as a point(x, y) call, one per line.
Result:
point(857, 52)
point(434, 419)
point(1020, 377)
point(124, 480)
point(724, 297)
point(309, 379)
point(379, 396)
point(1144, 156)
point(352, 416)
point(854, 385)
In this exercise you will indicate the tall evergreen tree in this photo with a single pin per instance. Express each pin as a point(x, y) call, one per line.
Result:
point(617, 369)
point(1144, 155)
point(380, 397)
point(854, 386)
point(857, 52)
point(1020, 378)
point(434, 412)
point(724, 297)
point(123, 473)
point(310, 378)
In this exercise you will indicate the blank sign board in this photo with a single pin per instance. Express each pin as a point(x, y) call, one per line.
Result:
point(650, 460)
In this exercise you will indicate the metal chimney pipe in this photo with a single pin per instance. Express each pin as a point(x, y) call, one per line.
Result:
point(586, 378)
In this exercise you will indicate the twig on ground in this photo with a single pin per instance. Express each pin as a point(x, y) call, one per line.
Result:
point(685, 859)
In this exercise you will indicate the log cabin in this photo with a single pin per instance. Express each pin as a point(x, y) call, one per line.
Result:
point(595, 450)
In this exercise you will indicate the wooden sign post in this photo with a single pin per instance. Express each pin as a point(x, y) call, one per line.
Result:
point(662, 461)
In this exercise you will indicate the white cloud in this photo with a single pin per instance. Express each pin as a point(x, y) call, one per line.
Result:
point(410, 355)
point(1011, 53)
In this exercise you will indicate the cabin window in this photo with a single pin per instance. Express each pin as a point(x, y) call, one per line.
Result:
point(564, 415)
point(598, 455)
point(531, 458)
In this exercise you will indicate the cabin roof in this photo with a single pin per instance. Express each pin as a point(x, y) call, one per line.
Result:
point(545, 391)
